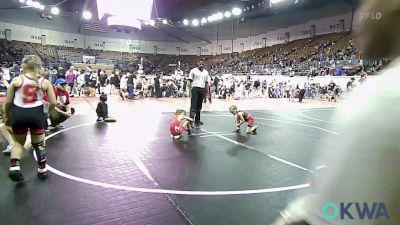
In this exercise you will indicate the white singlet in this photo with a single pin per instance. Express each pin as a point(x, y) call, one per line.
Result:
point(30, 94)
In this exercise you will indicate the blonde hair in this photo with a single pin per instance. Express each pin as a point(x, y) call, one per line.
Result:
point(32, 64)
point(232, 107)
point(180, 111)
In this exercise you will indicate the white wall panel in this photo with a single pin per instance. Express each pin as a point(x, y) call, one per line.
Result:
point(114, 46)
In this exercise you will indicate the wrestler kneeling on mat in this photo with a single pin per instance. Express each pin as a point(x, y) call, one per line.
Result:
point(242, 117)
point(180, 123)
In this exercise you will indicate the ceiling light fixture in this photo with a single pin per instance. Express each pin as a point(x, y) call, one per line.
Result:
point(236, 11)
point(195, 22)
point(276, 1)
point(29, 2)
point(36, 5)
point(55, 11)
point(220, 16)
point(185, 22)
point(87, 15)
point(227, 14)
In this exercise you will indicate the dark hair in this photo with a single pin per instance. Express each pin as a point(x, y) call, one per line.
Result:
point(103, 97)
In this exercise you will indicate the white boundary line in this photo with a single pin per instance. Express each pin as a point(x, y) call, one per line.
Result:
point(289, 118)
point(301, 124)
point(251, 148)
point(291, 122)
point(296, 133)
point(269, 155)
point(223, 134)
point(164, 191)
point(302, 113)
point(201, 134)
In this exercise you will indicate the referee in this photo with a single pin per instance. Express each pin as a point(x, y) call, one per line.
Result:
point(198, 77)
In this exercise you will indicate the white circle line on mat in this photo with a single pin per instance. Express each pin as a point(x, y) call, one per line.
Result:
point(303, 114)
point(163, 191)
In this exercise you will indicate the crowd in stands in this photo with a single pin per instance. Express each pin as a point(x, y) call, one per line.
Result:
point(93, 82)
point(12, 52)
point(320, 55)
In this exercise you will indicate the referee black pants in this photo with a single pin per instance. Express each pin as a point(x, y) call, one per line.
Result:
point(196, 103)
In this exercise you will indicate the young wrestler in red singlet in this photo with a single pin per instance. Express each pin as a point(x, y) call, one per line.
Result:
point(180, 123)
point(242, 117)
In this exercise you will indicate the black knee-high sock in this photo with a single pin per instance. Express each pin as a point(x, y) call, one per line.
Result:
point(41, 152)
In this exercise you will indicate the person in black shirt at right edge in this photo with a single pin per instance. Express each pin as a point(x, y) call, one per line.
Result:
point(198, 77)
point(360, 184)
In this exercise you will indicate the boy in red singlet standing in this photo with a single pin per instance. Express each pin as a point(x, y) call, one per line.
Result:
point(180, 123)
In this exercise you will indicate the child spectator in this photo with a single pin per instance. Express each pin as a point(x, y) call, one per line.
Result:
point(102, 110)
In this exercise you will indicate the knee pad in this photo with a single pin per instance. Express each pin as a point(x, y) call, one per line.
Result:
point(40, 151)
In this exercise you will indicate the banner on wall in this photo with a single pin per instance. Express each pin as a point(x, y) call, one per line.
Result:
point(89, 59)
point(44, 40)
point(8, 34)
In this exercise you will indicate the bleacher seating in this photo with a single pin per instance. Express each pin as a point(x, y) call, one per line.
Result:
point(46, 52)
point(14, 51)
point(295, 54)
point(65, 52)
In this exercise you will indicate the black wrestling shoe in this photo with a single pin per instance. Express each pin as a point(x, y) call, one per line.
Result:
point(255, 128)
point(198, 123)
point(252, 133)
point(42, 174)
point(15, 175)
